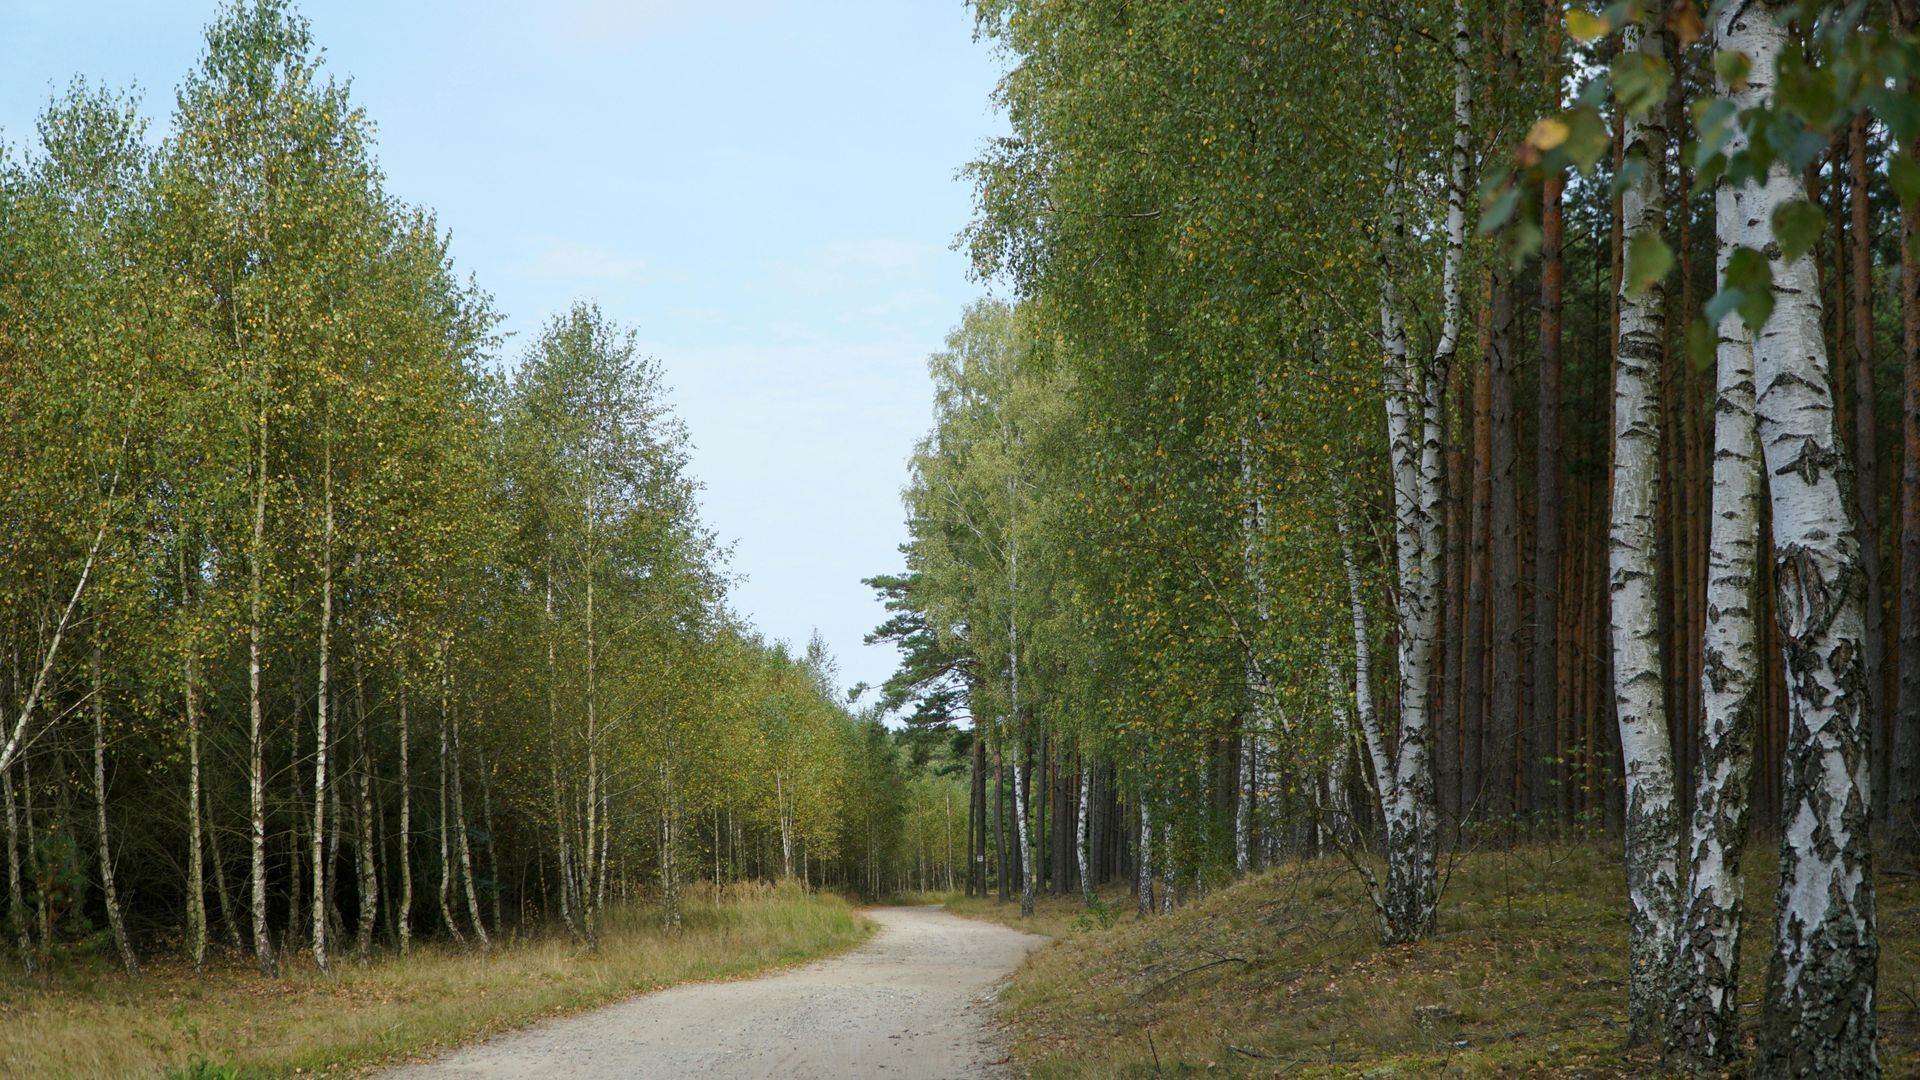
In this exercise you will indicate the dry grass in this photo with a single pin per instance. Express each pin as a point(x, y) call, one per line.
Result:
point(94, 1023)
point(1281, 976)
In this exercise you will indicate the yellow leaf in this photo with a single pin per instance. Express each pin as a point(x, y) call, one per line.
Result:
point(1548, 132)
point(1585, 26)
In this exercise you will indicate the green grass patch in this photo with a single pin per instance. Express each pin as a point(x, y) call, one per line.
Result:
point(232, 1024)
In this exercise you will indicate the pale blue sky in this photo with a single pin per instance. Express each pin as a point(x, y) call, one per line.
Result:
point(765, 189)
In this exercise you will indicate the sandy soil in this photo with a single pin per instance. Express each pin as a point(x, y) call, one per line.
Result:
point(914, 1001)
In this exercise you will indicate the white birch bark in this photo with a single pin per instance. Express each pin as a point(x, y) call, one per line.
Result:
point(1639, 679)
point(1706, 974)
point(1080, 839)
point(1252, 527)
point(16, 898)
point(403, 919)
point(1167, 868)
point(256, 734)
point(321, 746)
point(446, 818)
point(196, 866)
point(1145, 860)
point(369, 878)
point(116, 919)
point(1820, 986)
point(1415, 401)
point(466, 846)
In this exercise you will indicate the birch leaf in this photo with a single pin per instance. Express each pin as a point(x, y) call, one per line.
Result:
point(1796, 226)
point(1647, 262)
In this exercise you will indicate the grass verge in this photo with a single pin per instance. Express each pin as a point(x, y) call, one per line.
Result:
point(232, 1023)
point(1280, 975)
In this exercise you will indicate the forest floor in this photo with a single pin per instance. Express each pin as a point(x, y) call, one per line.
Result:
point(89, 1020)
point(1281, 975)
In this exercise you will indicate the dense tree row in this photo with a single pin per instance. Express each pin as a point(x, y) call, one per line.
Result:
point(319, 632)
point(1445, 426)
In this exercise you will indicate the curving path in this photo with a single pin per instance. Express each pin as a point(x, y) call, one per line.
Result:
point(914, 1001)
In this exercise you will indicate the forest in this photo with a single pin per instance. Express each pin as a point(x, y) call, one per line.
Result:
point(1433, 430)
point(327, 629)
point(1389, 441)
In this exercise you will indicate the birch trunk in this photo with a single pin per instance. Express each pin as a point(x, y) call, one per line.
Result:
point(369, 879)
point(1013, 709)
point(116, 919)
point(1020, 827)
point(446, 823)
point(16, 898)
point(1252, 527)
point(321, 716)
point(466, 847)
point(590, 907)
point(196, 867)
point(1143, 862)
point(569, 900)
point(256, 766)
point(403, 920)
point(220, 891)
point(1705, 1002)
point(1820, 985)
point(1080, 836)
point(1415, 407)
point(1167, 869)
point(1652, 810)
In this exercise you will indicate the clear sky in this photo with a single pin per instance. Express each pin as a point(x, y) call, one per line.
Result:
point(765, 190)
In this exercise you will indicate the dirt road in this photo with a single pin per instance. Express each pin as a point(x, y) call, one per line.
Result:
point(910, 1003)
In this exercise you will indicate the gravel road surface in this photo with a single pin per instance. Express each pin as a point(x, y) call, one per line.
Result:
point(913, 1002)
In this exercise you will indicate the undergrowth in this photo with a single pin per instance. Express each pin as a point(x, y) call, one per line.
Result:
point(1281, 975)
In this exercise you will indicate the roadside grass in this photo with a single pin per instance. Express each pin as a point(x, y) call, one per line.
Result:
point(91, 1021)
point(1280, 975)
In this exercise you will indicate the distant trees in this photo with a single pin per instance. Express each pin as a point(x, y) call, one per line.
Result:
point(306, 607)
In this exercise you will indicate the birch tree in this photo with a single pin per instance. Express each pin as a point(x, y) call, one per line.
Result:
point(1652, 811)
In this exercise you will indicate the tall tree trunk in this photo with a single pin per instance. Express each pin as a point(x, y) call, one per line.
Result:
point(1504, 559)
point(1415, 404)
point(569, 900)
point(369, 879)
point(1083, 834)
point(1000, 877)
point(1705, 995)
point(1904, 813)
point(403, 917)
point(256, 734)
point(321, 717)
point(1866, 450)
point(446, 818)
point(196, 868)
point(1476, 759)
point(1013, 711)
point(16, 898)
point(461, 831)
point(977, 857)
point(116, 919)
point(1820, 986)
point(227, 918)
point(1145, 859)
point(1652, 815)
point(1543, 719)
